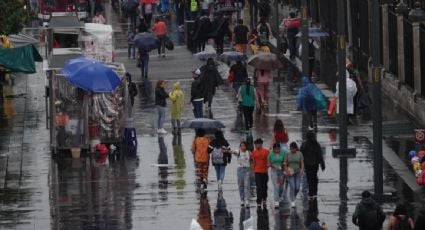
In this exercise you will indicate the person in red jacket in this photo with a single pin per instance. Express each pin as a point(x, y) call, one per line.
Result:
point(292, 26)
point(160, 30)
point(259, 161)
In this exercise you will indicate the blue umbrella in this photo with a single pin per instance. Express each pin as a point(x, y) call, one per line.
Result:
point(91, 75)
point(233, 56)
point(202, 123)
point(146, 41)
point(314, 33)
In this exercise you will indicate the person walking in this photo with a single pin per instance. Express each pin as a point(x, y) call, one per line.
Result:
point(351, 92)
point(400, 220)
point(210, 80)
point(312, 153)
point(143, 59)
point(130, 41)
point(240, 36)
point(200, 150)
point(275, 161)
point(368, 215)
point(197, 94)
point(160, 30)
point(243, 172)
point(307, 103)
point(132, 88)
point(239, 75)
point(259, 161)
point(220, 156)
point(294, 169)
point(247, 96)
point(280, 135)
point(177, 99)
point(161, 104)
point(291, 26)
point(263, 80)
point(147, 11)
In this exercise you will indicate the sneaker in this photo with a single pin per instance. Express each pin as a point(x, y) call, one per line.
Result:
point(163, 55)
point(242, 203)
point(276, 204)
point(246, 204)
point(293, 204)
point(162, 131)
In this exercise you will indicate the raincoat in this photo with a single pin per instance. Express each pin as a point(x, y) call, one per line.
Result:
point(351, 92)
point(177, 98)
point(305, 97)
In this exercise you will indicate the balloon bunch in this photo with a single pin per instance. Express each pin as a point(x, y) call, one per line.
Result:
point(418, 164)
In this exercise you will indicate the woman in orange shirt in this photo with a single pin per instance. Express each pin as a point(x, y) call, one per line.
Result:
point(160, 30)
point(200, 151)
point(259, 160)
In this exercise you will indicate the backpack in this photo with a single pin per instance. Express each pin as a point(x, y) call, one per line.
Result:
point(264, 30)
point(402, 224)
point(217, 156)
point(369, 216)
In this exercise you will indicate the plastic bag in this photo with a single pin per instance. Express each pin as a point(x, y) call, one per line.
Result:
point(194, 225)
point(332, 107)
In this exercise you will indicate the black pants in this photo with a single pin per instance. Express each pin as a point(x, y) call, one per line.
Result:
point(312, 180)
point(248, 113)
point(161, 47)
point(261, 180)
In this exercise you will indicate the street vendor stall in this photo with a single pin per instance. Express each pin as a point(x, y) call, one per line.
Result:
point(88, 101)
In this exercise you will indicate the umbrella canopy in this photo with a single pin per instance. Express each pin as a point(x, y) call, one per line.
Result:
point(227, 9)
point(223, 69)
point(202, 123)
point(266, 61)
point(204, 55)
point(232, 56)
point(91, 75)
point(146, 41)
point(314, 33)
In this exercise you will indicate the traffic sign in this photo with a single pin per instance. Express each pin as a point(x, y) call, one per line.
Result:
point(420, 135)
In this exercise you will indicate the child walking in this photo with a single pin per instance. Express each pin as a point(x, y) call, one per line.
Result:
point(243, 172)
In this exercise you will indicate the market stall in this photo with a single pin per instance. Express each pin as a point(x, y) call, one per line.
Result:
point(98, 41)
point(88, 101)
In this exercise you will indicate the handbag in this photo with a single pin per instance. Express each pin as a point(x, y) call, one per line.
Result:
point(231, 77)
point(169, 45)
point(332, 107)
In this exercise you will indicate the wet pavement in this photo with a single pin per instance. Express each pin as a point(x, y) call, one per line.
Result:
point(157, 190)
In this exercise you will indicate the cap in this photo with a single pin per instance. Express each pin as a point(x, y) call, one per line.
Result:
point(197, 72)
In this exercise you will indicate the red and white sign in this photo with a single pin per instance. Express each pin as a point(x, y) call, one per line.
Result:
point(420, 135)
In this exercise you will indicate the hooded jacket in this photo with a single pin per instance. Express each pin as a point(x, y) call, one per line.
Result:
point(305, 97)
point(177, 98)
point(312, 153)
point(362, 215)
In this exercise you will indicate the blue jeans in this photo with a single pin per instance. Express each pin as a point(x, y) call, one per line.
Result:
point(197, 109)
point(219, 171)
point(294, 185)
point(144, 62)
point(131, 51)
point(277, 178)
point(175, 123)
point(161, 116)
point(243, 174)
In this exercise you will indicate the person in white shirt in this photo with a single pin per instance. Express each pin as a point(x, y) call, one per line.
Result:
point(244, 171)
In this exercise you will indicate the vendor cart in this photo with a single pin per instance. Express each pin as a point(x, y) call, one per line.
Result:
point(79, 118)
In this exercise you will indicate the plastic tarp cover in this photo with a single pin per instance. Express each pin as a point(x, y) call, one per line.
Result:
point(21, 59)
point(98, 41)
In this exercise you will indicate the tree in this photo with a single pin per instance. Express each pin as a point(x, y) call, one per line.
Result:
point(13, 16)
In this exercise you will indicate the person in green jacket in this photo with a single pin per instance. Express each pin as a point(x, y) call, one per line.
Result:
point(177, 99)
point(247, 97)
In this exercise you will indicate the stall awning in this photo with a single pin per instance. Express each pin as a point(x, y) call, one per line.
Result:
point(21, 59)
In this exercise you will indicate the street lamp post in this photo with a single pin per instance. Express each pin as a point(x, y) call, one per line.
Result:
point(377, 109)
point(304, 38)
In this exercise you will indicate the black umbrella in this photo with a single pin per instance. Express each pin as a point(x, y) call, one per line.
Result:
point(203, 123)
point(146, 41)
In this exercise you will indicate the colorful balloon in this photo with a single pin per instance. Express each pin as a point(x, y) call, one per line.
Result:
point(419, 173)
point(416, 167)
point(412, 154)
point(421, 154)
point(423, 166)
point(420, 181)
point(414, 160)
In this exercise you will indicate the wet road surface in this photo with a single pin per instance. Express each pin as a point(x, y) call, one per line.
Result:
point(157, 190)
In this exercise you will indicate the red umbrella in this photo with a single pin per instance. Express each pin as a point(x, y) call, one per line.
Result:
point(148, 1)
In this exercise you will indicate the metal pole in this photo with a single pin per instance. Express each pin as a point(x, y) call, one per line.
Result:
point(342, 90)
point(377, 110)
point(277, 42)
point(304, 38)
